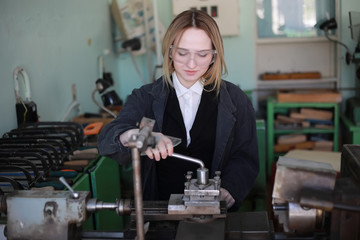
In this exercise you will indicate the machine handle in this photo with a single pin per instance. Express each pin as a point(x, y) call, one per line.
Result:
point(190, 159)
point(74, 194)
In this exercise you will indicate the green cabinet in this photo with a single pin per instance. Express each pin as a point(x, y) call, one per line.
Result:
point(274, 107)
point(103, 180)
point(351, 133)
point(106, 187)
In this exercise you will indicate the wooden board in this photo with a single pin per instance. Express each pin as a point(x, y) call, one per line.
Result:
point(287, 147)
point(310, 96)
point(291, 76)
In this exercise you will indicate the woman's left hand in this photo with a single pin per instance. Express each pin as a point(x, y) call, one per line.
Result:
point(164, 147)
point(226, 196)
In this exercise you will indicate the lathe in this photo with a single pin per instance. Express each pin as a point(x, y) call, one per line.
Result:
point(310, 201)
point(196, 214)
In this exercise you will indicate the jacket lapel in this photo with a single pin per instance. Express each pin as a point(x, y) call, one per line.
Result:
point(224, 128)
point(160, 93)
point(175, 113)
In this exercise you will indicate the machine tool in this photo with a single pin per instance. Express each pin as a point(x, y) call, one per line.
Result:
point(198, 213)
point(310, 201)
point(313, 201)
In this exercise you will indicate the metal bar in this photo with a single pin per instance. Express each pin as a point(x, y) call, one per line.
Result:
point(190, 159)
point(138, 193)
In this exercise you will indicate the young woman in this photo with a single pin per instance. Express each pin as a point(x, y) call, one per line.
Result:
point(213, 117)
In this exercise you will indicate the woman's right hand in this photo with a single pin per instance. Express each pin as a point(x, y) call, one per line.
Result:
point(164, 147)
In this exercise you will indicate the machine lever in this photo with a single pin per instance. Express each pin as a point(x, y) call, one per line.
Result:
point(74, 194)
point(190, 159)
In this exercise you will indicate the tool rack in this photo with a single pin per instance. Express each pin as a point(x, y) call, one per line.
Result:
point(33, 155)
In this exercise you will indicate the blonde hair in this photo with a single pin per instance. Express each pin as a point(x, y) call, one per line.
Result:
point(200, 20)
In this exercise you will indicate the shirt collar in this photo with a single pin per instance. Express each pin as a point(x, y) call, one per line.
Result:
point(181, 90)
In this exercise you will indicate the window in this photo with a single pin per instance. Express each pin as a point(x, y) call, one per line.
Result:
point(292, 18)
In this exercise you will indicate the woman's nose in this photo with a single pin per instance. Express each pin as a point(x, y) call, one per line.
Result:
point(191, 63)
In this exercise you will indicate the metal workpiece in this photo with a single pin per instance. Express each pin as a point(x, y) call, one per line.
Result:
point(304, 221)
point(124, 206)
point(94, 205)
point(121, 206)
point(298, 219)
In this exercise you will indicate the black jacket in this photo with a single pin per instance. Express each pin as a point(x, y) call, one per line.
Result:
point(236, 149)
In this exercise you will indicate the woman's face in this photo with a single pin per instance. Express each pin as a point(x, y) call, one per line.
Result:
point(192, 55)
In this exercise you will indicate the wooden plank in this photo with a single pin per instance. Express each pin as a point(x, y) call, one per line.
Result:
point(313, 97)
point(311, 113)
point(291, 76)
point(291, 138)
point(288, 147)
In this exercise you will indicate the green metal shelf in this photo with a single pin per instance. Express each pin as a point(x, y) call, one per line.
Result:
point(298, 104)
point(304, 130)
point(274, 107)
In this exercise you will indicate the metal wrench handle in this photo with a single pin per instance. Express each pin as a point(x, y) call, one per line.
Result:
point(190, 159)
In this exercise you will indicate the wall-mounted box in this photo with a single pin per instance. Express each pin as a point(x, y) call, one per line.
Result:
point(225, 13)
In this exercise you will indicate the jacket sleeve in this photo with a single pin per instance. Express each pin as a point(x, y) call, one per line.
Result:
point(136, 107)
point(241, 162)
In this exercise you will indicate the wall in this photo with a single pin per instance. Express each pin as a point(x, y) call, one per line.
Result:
point(58, 42)
point(239, 51)
point(348, 77)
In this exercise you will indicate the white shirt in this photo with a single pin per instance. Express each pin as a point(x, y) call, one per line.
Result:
point(189, 100)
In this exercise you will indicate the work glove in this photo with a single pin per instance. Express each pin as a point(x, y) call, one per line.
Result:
point(226, 196)
point(163, 144)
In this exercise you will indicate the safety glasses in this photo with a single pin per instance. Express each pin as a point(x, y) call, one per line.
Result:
point(201, 58)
